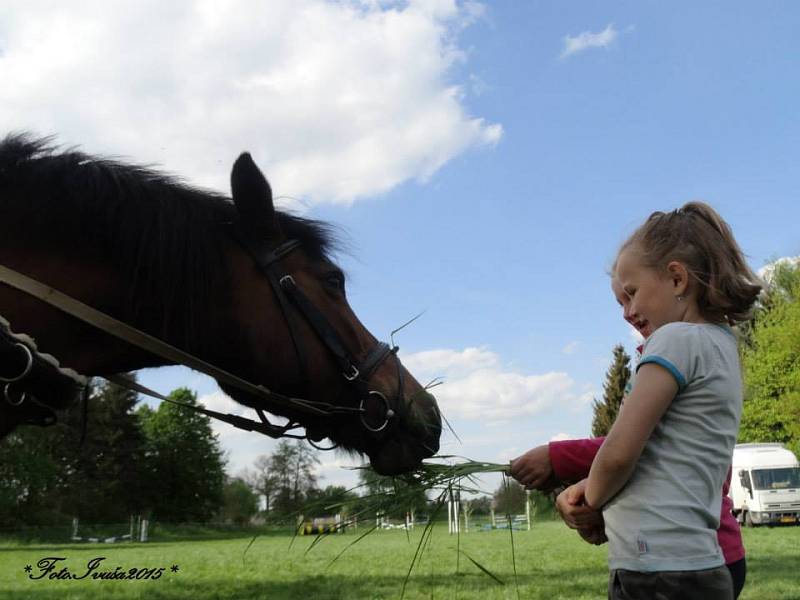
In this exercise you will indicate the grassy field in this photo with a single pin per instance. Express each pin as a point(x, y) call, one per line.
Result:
point(551, 563)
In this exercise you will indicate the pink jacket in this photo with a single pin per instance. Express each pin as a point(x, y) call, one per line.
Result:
point(572, 459)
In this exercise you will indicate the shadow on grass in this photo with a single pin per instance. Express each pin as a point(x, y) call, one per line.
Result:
point(73, 547)
point(773, 572)
point(537, 584)
point(199, 532)
point(159, 534)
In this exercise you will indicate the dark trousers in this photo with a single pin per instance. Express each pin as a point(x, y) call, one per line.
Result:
point(710, 584)
point(738, 572)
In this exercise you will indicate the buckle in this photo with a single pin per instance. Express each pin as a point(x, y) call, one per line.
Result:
point(25, 371)
point(18, 402)
point(352, 375)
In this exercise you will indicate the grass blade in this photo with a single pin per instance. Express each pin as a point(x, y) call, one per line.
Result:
point(511, 534)
point(317, 540)
point(484, 569)
point(244, 554)
point(423, 542)
point(355, 541)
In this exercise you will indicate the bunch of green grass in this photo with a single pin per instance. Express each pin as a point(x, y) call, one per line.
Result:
point(442, 478)
point(439, 477)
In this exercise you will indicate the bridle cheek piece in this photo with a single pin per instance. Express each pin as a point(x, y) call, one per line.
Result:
point(357, 374)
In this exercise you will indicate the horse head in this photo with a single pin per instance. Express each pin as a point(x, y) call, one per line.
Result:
point(289, 304)
point(248, 291)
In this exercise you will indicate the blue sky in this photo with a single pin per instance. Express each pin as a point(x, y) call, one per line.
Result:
point(484, 160)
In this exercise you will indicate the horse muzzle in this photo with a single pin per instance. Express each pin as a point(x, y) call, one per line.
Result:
point(411, 440)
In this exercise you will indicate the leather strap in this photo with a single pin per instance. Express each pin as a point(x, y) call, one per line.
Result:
point(265, 427)
point(129, 334)
point(321, 326)
point(147, 342)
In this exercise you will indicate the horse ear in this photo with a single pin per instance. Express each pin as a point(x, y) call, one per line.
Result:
point(252, 196)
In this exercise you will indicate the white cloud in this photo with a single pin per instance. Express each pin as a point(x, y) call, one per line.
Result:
point(453, 363)
point(587, 39)
point(477, 387)
point(336, 100)
point(767, 270)
point(560, 437)
point(570, 348)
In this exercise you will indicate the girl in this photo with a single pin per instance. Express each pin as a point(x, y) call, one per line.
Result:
point(658, 474)
point(546, 466)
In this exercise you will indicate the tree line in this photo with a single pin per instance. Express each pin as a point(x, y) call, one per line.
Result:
point(770, 358)
point(121, 459)
point(114, 461)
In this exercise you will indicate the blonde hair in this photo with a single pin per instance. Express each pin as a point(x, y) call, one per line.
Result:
point(698, 237)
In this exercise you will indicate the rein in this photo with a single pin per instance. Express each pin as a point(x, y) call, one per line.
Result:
point(284, 288)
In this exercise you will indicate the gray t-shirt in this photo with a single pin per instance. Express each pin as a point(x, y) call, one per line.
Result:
point(666, 517)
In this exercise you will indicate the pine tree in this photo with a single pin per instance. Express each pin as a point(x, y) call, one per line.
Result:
point(28, 474)
point(51, 477)
point(617, 377)
point(100, 479)
point(117, 470)
point(185, 461)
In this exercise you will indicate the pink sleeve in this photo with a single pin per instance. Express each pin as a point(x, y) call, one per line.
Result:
point(729, 534)
point(572, 459)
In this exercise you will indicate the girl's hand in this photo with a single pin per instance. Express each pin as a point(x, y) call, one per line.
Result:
point(594, 535)
point(534, 470)
point(571, 504)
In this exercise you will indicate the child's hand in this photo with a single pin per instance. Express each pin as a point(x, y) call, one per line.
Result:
point(573, 509)
point(594, 535)
point(534, 470)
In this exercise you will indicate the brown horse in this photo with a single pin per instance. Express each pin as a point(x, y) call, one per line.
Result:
point(240, 285)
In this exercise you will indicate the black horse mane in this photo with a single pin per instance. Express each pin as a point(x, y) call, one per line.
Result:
point(159, 231)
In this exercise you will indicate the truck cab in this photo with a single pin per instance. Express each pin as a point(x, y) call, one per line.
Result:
point(765, 485)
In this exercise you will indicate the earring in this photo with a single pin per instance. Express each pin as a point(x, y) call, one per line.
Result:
point(680, 298)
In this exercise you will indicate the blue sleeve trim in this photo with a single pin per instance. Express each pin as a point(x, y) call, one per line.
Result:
point(667, 365)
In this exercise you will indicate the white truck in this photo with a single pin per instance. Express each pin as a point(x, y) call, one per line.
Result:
point(765, 484)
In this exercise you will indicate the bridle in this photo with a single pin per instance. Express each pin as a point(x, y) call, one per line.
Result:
point(288, 294)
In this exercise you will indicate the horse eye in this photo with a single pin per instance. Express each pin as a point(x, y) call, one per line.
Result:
point(336, 280)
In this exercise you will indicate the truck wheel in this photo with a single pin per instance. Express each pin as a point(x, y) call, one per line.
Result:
point(748, 520)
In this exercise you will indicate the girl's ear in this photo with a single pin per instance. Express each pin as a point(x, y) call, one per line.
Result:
point(679, 275)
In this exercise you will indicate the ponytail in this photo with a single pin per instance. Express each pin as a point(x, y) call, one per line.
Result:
point(697, 236)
